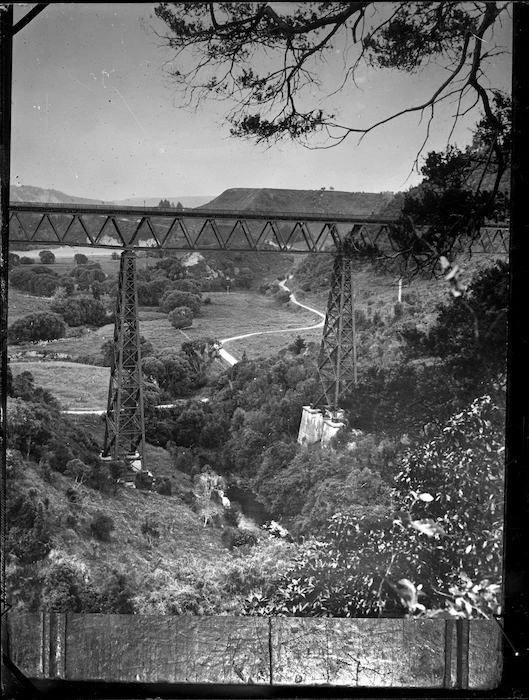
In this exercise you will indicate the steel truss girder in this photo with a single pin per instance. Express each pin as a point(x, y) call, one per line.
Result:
point(195, 229)
point(124, 419)
point(337, 362)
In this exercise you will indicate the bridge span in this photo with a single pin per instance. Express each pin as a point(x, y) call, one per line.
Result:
point(138, 228)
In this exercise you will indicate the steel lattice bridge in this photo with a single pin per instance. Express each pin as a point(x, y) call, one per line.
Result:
point(140, 229)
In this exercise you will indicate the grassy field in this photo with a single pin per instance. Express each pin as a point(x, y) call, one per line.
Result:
point(21, 304)
point(73, 384)
point(227, 315)
point(230, 315)
point(84, 386)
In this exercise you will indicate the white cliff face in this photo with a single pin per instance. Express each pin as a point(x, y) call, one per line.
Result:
point(196, 266)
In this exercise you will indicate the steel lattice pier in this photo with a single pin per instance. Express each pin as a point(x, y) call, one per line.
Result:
point(124, 420)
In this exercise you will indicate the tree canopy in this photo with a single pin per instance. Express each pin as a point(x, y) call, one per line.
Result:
point(274, 67)
point(265, 58)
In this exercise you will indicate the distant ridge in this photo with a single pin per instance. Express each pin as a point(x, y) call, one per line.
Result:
point(30, 193)
point(302, 201)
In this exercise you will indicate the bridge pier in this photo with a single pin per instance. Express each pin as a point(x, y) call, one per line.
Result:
point(124, 419)
point(337, 362)
point(319, 425)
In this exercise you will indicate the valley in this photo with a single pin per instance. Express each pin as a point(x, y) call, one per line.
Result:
point(233, 430)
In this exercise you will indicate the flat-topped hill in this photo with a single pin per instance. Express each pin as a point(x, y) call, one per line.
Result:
point(306, 201)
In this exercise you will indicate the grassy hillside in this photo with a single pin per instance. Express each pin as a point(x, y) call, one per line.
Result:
point(159, 554)
point(75, 385)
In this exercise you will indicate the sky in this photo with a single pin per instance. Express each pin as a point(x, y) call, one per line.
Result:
point(95, 115)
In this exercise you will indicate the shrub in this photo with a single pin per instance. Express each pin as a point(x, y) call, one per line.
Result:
point(244, 278)
point(44, 285)
point(361, 320)
point(24, 260)
point(377, 319)
point(78, 470)
point(80, 259)
point(164, 486)
point(115, 595)
point(115, 255)
point(35, 327)
point(67, 588)
point(234, 537)
point(66, 283)
point(150, 527)
point(181, 317)
point(14, 260)
point(101, 527)
point(173, 299)
point(281, 296)
point(232, 514)
point(46, 257)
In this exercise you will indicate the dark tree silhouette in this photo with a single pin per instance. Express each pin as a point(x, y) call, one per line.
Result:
point(265, 58)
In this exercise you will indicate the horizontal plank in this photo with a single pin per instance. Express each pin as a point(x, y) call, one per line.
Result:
point(246, 650)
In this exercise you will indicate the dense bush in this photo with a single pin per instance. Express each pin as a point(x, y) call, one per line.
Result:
point(181, 317)
point(174, 298)
point(80, 259)
point(150, 292)
point(170, 370)
point(78, 311)
point(88, 273)
point(38, 280)
point(107, 349)
point(25, 260)
point(35, 327)
point(444, 526)
point(21, 279)
point(44, 285)
point(171, 267)
point(66, 587)
point(187, 285)
point(29, 530)
point(78, 470)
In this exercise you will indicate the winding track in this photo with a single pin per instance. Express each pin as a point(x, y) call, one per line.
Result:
point(226, 356)
point(231, 360)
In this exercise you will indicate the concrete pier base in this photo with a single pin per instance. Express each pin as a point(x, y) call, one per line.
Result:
point(319, 426)
point(330, 427)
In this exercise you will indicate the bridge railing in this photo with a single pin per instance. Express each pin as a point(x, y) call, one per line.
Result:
point(105, 226)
